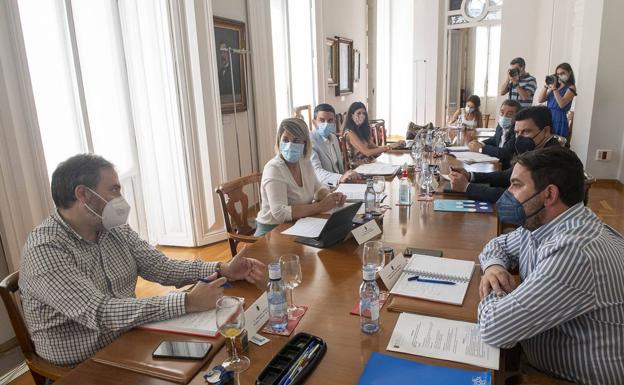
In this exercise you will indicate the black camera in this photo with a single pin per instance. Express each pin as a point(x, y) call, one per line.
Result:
point(514, 72)
point(552, 79)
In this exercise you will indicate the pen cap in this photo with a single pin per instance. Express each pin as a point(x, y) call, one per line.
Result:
point(274, 271)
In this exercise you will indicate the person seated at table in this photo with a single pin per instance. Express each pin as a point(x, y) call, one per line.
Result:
point(290, 189)
point(532, 130)
point(568, 312)
point(326, 155)
point(504, 134)
point(470, 116)
point(357, 133)
point(80, 267)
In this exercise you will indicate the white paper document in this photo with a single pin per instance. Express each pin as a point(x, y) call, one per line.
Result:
point(474, 157)
point(458, 148)
point(309, 227)
point(377, 168)
point(203, 324)
point(442, 339)
point(353, 191)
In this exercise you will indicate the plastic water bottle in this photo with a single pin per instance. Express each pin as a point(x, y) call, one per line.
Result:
point(405, 190)
point(278, 313)
point(369, 198)
point(369, 301)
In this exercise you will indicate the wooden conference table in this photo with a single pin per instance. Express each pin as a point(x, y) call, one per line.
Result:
point(331, 279)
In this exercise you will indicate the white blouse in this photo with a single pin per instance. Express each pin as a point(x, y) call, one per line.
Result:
point(471, 124)
point(279, 191)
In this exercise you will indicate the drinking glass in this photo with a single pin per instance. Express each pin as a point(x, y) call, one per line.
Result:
point(417, 156)
point(231, 321)
point(373, 255)
point(379, 185)
point(426, 177)
point(291, 276)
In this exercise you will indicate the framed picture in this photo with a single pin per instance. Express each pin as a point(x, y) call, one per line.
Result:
point(345, 66)
point(356, 65)
point(331, 61)
point(231, 34)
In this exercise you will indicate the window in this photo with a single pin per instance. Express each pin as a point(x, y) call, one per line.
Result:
point(294, 55)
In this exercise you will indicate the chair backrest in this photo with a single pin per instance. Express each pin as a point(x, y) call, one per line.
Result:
point(299, 113)
point(378, 131)
point(239, 222)
point(562, 141)
point(486, 120)
point(40, 369)
point(340, 121)
point(345, 154)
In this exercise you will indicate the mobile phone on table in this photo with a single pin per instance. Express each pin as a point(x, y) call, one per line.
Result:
point(190, 350)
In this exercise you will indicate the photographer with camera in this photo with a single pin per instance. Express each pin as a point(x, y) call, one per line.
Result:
point(558, 92)
point(519, 84)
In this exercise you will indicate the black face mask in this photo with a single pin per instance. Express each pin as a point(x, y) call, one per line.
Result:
point(524, 144)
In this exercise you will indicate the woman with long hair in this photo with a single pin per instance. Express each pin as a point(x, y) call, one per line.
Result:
point(357, 133)
point(470, 116)
point(558, 93)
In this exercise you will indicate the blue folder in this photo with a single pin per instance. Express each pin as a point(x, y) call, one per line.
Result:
point(383, 369)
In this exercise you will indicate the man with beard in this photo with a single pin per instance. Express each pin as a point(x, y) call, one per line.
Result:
point(568, 312)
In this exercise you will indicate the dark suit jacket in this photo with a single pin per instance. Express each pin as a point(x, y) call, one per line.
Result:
point(505, 153)
point(498, 181)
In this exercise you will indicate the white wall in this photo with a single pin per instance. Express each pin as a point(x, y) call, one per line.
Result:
point(344, 18)
point(237, 10)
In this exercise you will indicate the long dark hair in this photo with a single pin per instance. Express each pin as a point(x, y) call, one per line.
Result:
point(568, 68)
point(362, 131)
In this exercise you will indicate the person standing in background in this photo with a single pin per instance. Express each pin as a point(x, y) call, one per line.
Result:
point(558, 93)
point(519, 84)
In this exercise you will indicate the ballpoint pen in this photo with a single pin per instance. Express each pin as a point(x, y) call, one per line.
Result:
point(417, 278)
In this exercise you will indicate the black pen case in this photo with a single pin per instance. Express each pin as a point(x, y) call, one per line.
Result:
point(284, 360)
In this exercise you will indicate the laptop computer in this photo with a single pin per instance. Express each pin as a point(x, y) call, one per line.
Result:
point(336, 228)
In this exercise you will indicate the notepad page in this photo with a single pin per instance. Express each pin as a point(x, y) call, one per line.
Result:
point(435, 268)
point(353, 191)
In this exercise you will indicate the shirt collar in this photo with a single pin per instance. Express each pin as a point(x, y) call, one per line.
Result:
point(59, 219)
point(550, 228)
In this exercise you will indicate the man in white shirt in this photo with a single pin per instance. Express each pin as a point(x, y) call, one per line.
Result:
point(326, 155)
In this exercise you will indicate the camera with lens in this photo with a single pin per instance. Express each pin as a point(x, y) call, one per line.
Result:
point(552, 79)
point(513, 72)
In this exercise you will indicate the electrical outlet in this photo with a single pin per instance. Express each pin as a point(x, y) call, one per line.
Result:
point(603, 155)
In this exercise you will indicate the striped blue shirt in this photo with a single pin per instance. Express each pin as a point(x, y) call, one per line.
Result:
point(529, 84)
point(568, 312)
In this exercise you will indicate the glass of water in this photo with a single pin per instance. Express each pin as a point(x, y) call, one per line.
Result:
point(291, 276)
point(426, 177)
point(373, 255)
point(379, 185)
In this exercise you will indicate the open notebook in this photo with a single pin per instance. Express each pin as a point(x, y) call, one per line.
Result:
point(435, 268)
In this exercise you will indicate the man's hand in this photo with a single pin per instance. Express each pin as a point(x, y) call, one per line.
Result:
point(204, 296)
point(475, 146)
point(241, 267)
point(496, 278)
point(349, 176)
point(459, 181)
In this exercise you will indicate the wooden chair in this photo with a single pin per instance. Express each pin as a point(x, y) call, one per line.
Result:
point(341, 118)
point(40, 369)
point(486, 120)
point(299, 114)
point(378, 131)
point(237, 223)
point(342, 141)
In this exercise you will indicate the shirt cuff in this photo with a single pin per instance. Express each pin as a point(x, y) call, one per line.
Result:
point(175, 304)
point(471, 176)
point(206, 269)
point(492, 261)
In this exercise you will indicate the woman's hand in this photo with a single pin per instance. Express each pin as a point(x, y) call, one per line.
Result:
point(332, 200)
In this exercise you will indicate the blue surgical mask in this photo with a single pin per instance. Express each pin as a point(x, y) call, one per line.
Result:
point(291, 152)
point(325, 129)
point(505, 122)
point(510, 210)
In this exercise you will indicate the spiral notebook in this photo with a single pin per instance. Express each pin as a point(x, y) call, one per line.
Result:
point(433, 268)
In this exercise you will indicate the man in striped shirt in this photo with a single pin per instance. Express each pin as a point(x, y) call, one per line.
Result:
point(568, 312)
point(519, 84)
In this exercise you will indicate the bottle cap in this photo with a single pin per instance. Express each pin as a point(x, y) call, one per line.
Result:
point(274, 271)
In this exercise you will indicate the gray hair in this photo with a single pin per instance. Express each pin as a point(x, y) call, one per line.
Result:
point(297, 128)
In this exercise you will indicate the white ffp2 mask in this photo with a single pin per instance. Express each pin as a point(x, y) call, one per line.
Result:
point(115, 213)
